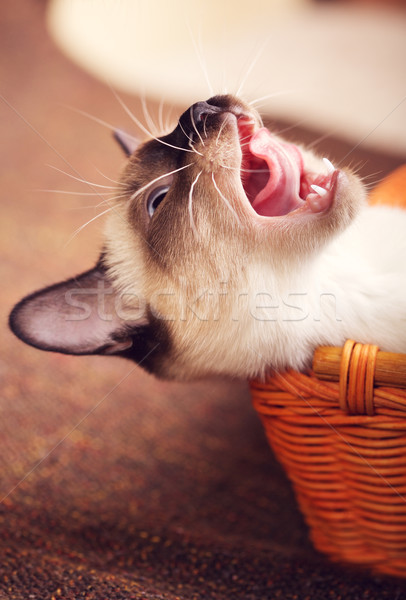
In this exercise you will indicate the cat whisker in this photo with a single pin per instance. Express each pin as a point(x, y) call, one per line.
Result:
point(227, 203)
point(170, 123)
point(242, 170)
point(190, 144)
point(200, 58)
point(106, 201)
point(142, 127)
point(190, 205)
point(90, 116)
point(99, 185)
point(75, 193)
point(204, 127)
point(246, 137)
point(147, 116)
point(290, 127)
point(124, 194)
point(374, 178)
point(251, 67)
point(185, 134)
point(145, 187)
point(108, 178)
point(270, 96)
point(160, 114)
point(194, 124)
point(82, 227)
point(354, 165)
point(321, 138)
point(372, 131)
point(219, 132)
point(100, 122)
point(118, 197)
point(224, 70)
point(39, 135)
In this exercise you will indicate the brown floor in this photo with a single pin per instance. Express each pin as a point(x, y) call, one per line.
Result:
point(115, 485)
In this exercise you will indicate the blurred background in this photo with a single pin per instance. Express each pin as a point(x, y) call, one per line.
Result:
point(114, 484)
point(334, 66)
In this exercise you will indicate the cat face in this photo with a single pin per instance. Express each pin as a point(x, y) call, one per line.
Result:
point(216, 215)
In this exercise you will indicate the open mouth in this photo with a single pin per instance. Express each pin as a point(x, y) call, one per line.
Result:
point(275, 179)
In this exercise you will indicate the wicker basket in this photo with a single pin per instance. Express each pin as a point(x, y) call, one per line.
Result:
point(343, 446)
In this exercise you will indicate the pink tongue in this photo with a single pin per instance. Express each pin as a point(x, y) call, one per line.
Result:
point(281, 193)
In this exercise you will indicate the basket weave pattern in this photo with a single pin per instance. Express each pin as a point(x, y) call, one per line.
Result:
point(343, 446)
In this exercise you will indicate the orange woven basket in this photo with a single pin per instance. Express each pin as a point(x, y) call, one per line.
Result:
point(343, 446)
point(340, 433)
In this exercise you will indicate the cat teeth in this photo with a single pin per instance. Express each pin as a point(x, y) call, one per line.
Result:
point(319, 190)
point(329, 165)
point(314, 204)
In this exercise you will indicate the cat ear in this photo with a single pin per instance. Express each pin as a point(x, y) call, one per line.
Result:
point(83, 315)
point(127, 142)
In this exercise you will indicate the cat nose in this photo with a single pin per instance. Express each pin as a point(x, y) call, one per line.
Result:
point(203, 109)
point(192, 119)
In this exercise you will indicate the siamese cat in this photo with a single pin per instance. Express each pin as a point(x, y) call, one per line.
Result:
point(231, 253)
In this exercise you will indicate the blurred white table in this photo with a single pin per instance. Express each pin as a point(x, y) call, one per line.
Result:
point(335, 67)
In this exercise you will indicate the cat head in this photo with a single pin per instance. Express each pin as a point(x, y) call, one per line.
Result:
point(211, 215)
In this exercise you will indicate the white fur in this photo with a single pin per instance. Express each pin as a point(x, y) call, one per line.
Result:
point(356, 288)
point(219, 288)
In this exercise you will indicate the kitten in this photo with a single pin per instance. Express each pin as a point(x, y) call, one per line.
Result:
point(233, 252)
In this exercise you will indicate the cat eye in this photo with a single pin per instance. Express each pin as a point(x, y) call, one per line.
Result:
point(155, 198)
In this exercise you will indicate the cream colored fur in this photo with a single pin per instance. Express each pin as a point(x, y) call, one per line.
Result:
point(240, 294)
